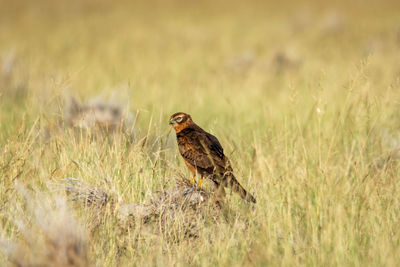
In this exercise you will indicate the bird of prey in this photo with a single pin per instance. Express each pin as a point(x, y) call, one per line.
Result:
point(204, 155)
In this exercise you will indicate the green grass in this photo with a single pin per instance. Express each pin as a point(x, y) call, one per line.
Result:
point(314, 138)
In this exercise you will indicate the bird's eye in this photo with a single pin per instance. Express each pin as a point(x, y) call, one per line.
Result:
point(178, 119)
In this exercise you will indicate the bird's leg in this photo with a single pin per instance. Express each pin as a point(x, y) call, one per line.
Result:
point(200, 182)
point(192, 180)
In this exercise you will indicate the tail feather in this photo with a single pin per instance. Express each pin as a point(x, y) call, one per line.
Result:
point(237, 187)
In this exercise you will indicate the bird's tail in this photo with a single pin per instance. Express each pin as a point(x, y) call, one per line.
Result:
point(231, 182)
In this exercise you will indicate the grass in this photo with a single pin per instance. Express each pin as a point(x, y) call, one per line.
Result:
point(302, 96)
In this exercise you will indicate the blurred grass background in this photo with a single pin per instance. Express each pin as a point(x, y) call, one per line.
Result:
point(304, 97)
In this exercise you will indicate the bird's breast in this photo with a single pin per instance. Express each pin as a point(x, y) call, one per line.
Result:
point(183, 143)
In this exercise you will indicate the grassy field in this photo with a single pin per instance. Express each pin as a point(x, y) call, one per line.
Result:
point(304, 97)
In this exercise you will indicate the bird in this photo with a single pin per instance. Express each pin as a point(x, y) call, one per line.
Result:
point(204, 156)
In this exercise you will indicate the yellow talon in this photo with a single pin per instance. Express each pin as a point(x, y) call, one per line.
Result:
point(201, 180)
point(192, 180)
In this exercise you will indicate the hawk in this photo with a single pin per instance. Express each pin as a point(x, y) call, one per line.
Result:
point(204, 155)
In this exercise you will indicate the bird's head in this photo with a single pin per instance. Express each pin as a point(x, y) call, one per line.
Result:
point(180, 121)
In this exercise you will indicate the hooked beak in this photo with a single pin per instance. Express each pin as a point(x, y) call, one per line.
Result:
point(171, 122)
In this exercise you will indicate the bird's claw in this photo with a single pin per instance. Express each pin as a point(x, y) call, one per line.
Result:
point(195, 182)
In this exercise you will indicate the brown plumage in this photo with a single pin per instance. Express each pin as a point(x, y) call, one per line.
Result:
point(203, 154)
